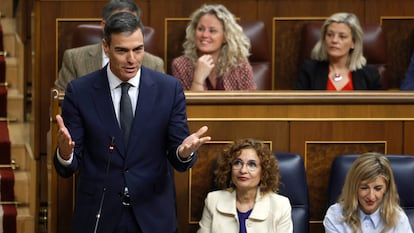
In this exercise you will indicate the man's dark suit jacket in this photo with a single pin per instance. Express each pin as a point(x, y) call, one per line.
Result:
point(314, 76)
point(159, 127)
point(408, 82)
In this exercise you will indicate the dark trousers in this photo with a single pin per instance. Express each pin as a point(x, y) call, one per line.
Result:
point(128, 223)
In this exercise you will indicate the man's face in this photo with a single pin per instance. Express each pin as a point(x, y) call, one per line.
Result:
point(125, 54)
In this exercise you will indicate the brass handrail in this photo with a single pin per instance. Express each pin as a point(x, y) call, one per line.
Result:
point(12, 165)
point(17, 203)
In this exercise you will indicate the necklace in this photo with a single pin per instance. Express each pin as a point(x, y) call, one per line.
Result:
point(337, 77)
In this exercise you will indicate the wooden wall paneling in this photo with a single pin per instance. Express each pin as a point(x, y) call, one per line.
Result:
point(64, 29)
point(160, 10)
point(174, 39)
point(44, 68)
point(201, 177)
point(191, 194)
point(399, 34)
point(408, 138)
point(23, 25)
point(374, 9)
point(154, 14)
point(47, 13)
point(320, 141)
point(286, 45)
point(301, 8)
point(230, 129)
point(246, 9)
point(22, 17)
point(347, 130)
point(365, 105)
point(194, 185)
point(174, 32)
point(318, 158)
point(266, 10)
point(60, 191)
point(317, 125)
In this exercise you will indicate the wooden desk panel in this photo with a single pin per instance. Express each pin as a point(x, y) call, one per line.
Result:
point(408, 137)
point(309, 105)
point(320, 142)
point(317, 125)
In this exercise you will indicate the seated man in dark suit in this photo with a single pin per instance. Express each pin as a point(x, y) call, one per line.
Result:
point(83, 60)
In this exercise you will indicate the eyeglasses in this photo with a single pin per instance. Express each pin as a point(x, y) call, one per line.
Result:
point(238, 164)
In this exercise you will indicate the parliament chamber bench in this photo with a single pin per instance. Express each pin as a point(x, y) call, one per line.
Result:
point(317, 125)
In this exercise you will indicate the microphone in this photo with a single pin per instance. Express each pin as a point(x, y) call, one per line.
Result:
point(98, 215)
point(112, 145)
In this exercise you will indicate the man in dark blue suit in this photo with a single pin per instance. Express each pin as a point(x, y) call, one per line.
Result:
point(125, 186)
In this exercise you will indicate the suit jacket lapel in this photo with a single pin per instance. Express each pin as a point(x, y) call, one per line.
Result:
point(227, 203)
point(321, 74)
point(358, 80)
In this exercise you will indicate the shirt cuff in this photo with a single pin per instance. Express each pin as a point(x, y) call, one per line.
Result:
point(182, 160)
point(65, 163)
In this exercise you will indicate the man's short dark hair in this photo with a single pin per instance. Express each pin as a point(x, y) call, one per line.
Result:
point(122, 22)
point(120, 5)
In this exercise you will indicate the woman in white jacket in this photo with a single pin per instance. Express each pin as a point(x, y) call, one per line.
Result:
point(248, 175)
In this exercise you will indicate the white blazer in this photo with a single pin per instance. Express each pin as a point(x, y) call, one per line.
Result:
point(271, 213)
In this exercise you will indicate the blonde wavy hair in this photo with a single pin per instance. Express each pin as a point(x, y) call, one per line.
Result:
point(368, 167)
point(237, 46)
point(356, 58)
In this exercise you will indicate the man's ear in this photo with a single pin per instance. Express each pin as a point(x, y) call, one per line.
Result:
point(105, 46)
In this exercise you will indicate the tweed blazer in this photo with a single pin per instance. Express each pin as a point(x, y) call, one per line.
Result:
point(271, 213)
point(80, 61)
point(238, 78)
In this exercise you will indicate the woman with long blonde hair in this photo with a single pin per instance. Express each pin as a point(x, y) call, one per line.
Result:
point(369, 201)
point(216, 53)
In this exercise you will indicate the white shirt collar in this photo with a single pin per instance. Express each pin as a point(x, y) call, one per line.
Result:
point(374, 217)
point(114, 81)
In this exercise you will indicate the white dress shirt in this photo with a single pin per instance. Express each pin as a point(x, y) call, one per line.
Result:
point(373, 223)
point(114, 85)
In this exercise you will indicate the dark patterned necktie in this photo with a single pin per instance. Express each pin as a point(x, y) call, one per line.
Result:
point(125, 116)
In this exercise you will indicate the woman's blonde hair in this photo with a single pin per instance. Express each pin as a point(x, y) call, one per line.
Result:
point(356, 58)
point(368, 167)
point(237, 44)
